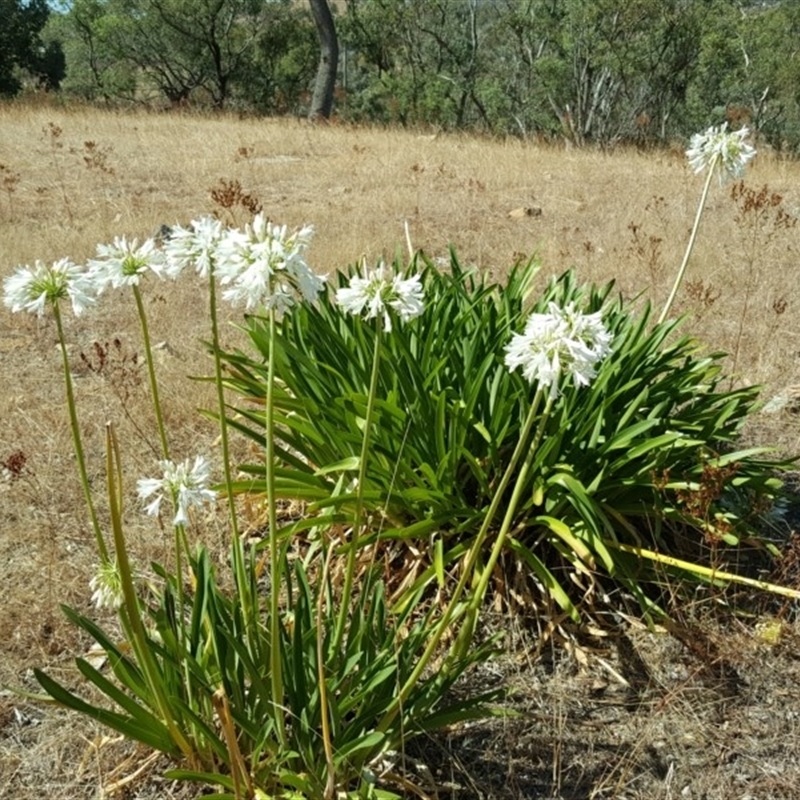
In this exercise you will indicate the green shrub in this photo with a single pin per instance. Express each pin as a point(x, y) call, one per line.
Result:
point(618, 462)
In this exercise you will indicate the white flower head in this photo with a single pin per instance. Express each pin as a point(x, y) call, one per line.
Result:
point(718, 144)
point(264, 266)
point(194, 246)
point(186, 484)
point(561, 342)
point(34, 288)
point(106, 587)
point(124, 262)
point(379, 291)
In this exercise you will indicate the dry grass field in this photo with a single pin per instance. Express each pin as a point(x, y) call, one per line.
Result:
point(633, 714)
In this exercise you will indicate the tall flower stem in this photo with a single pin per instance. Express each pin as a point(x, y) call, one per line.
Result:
point(454, 608)
point(76, 438)
point(239, 567)
point(130, 613)
point(352, 553)
point(275, 553)
point(467, 631)
point(223, 423)
point(181, 543)
point(692, 238)
point(151, 372)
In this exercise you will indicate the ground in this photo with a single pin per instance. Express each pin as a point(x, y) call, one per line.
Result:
point(708, 707)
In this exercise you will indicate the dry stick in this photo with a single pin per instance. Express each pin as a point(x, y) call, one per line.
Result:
point(239, 771)
point(690, 247)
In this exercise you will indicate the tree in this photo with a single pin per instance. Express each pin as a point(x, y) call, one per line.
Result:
point(325, 82)
point(179, 46)
point(426, 60)
point(20, 45)
point(188, 44)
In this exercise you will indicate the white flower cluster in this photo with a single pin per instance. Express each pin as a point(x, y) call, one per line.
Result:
point(561, 342)
point(379, 291)
point(185, 484)
point(33, 289)
point(719, 145)
point(106, 587)
point(263, 266)
point(123, 263)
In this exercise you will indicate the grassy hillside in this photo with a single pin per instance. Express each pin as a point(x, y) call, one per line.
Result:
point(70, 179)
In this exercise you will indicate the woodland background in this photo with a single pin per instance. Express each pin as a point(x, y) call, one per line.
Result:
point(590, 71)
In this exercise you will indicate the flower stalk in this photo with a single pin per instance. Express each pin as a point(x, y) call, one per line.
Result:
point(717, 149)
point(352, 552)
point(151, 372)
point(692, 238)
point(277, 560)
point(77, 442)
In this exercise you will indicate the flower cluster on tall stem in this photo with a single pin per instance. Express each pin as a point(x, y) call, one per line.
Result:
point(264, 266)
point(186, 484)
point(124, 262)
point(563, 342)
point(41, 288)
point(373, 297)
point(196, 247)
point(716, 148)
point(557, 344)
point(719, 146)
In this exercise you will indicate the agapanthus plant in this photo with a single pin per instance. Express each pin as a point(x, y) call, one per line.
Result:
point(186, 484)
point(379, 294)
point(40, 289)
point(380, 291)
point(563, 342)
point(715, 149)
point(264, 266)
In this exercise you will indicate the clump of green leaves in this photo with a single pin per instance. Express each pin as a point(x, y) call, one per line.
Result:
point(615, 461)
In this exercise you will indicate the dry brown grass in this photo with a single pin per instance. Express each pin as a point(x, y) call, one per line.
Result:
point(72, 178)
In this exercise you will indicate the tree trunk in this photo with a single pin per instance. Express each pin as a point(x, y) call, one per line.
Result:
point(325, 82)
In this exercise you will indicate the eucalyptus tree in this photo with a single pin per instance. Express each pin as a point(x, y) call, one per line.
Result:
point(21, 22)
point(325, 81)
point(419, 60)
point(184, 45)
